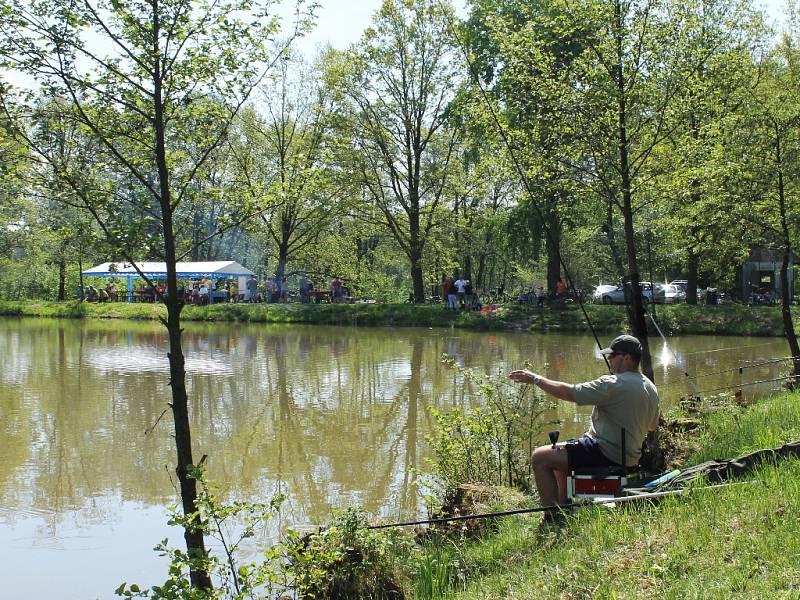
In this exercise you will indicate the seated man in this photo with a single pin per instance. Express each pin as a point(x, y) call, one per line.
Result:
point(626, 399)
point(203, 294)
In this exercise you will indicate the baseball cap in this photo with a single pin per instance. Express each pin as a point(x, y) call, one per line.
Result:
point(624, 344)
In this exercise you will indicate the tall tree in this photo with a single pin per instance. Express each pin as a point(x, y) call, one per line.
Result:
point(398, 82)
point(767, 146)
point(531, 113)
point(610, 103)
point(284, 159)
point(725, 36)
point(134, 77)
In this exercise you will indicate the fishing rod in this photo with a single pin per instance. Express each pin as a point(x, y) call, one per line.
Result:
point(558, 508)
point(526, 184)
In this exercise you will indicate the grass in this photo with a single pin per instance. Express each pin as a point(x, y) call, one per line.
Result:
point(741, 541)
point(680, 319)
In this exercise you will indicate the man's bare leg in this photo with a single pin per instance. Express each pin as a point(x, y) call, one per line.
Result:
point(550, 471)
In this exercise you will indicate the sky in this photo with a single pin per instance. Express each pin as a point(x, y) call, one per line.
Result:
point(341, 22)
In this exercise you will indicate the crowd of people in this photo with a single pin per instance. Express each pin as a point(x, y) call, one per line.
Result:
point(204, 291)
point(459, 294)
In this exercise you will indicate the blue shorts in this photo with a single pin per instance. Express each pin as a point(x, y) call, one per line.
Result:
point(585, 452)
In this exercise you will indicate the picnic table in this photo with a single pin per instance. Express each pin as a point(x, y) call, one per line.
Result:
point(143, 295)
point(318, 296)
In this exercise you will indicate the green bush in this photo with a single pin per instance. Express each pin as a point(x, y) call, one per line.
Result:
point(347, 561)
point(491, 444)
point(230, 524)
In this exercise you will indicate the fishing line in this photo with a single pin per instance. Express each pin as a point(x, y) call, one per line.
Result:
point(749, 366)
point(729, 349)
point(518, 167)
point(689, 378)
point(742, 385)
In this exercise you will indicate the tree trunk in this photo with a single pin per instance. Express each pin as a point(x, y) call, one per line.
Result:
point(636, 318)
point(418, 280)
point(612, 240)
point(62, 277)
point(283, 259)
point(80, 272)
point(467, 266)
point(553, 255)
point(415, 258)
point(692, 264)
point(786, 307)
point(193, 533)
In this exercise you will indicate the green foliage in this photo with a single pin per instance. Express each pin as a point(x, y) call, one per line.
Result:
point(491, 444)
point(345, 560)
point(737, 541)
point(438, 568)
point(230, 524)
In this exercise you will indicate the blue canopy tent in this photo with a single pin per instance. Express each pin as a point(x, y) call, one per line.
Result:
point(222, 269)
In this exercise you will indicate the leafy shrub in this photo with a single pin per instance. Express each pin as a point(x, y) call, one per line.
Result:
point(342, 561)
point(491, 444)
point(347, 561)
point(230, 524)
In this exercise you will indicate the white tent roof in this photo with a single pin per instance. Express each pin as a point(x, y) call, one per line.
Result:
point(186, 270)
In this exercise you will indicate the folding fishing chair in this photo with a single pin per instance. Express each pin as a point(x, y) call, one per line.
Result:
point(589, 483)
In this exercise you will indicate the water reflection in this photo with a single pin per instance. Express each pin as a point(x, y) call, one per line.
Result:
point(329, 416)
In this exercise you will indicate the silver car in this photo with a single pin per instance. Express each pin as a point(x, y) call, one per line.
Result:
point(615, 294)
point(673, 294)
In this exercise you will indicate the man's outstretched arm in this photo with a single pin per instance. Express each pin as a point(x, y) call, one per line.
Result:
point(559, 389)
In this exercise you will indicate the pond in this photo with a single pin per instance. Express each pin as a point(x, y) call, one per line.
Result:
point(331, 417)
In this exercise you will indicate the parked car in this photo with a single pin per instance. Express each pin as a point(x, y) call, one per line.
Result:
point(670, 294)
point(615, 294)
point(682, 283)
point(600, 290)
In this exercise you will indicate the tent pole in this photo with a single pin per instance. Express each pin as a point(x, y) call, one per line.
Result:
point(130, 289)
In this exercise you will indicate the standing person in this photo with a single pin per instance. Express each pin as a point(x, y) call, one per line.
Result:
point(304, 289)
point(461, 286)
point(337, 290)
point(252, 288)
point(452, 295)
point(626, 399)
point(284, 290)
point(540, 296)
point(268, 289)
point(468, 293)
point(561, 290)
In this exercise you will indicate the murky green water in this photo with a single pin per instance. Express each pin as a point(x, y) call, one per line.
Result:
point(329, 416)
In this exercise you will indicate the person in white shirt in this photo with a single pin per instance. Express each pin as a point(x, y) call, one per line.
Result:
point(460, 286)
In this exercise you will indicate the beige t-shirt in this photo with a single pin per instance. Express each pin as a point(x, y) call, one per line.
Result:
point(628, 400)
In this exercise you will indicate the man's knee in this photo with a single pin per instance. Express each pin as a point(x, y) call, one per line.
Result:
point(549, 457)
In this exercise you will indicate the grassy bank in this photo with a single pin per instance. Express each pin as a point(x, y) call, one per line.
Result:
point(681, 319)
point(741, 541)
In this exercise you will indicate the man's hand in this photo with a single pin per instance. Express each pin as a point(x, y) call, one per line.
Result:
point(524, 376)
point(559, 389)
